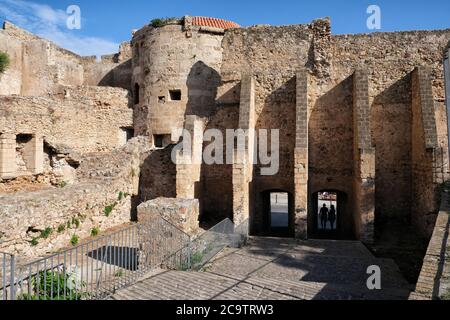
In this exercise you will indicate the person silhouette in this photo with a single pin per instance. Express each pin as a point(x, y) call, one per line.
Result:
point(332, 216)
point(324, 216)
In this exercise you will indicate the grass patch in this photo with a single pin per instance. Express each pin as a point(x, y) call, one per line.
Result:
point(46, 233)
point(119, 273)
point(61, 228)
point(95, 231)
point(109, 209)
point(74, 240)
point(122, 195)
point(34, 242)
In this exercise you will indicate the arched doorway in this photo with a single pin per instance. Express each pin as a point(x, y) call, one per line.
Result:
point(277, 214)
point(328, 216)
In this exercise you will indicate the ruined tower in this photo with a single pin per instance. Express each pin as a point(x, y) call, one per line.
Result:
point(176, 73)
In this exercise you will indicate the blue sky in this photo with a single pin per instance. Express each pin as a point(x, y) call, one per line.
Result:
point(107, 23)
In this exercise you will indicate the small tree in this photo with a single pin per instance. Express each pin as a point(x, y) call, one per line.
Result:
point(4, 61)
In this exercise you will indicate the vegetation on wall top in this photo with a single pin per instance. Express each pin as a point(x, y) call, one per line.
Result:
point(161, 22)
point(4, 61)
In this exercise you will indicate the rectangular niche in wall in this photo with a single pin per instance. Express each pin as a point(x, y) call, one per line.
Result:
point(23, 153)
point(29, 154)
point(125, 134)
point(162, 140)
point(175, 95)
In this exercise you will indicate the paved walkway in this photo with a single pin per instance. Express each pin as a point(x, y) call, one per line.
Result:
point(273, 269)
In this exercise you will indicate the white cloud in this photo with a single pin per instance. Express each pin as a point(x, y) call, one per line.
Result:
point(50, 23)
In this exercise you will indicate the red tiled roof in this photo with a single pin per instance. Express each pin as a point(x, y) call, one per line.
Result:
point(214, 22)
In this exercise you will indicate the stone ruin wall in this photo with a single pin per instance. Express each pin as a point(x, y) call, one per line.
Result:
point(187, 60)
point(83, 119)
point(174, 57)
point(102, 180)
point(39, 67)
point(390, 59)
point(273, 54)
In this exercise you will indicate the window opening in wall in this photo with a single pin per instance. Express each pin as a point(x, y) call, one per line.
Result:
point(159, 141)
point(162, 140)
point(327, 211)
point(162, 99)
point(175, 95)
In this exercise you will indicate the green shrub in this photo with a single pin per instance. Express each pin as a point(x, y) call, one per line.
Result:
point(4, 61)
point(46, 233)
point(34, 242)
point(119, 273)
point(197, 258)
point(108, 209)
point(161, 22)
point(74, 240)
point(61, 228)
point(54, 286)
point(95, 231)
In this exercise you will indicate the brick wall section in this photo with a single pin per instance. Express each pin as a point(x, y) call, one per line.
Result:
point(364, 160)
point(301, 156)
point(426, 156)
point(434, 278)
point(242, 162)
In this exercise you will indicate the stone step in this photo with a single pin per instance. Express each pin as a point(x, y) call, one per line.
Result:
point(295, 266)
point(182, 285)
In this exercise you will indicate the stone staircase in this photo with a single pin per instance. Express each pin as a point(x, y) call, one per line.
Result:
point(272, 269)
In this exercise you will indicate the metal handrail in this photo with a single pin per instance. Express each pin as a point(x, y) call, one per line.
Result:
point(97, 268)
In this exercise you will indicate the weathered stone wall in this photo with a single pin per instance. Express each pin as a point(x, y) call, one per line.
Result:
point(158, 176)
point(11, 80)
point(433, 280)
point(111, 71)
point(216, 179)
point(182, 213)
point(390, 58)
point(426, 154)
point(102, 198)
point(85, 119)
point(274, 54)
point(39, 67)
